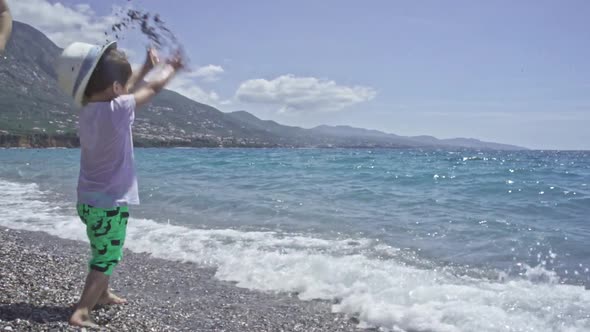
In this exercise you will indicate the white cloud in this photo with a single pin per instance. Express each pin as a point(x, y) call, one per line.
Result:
point(207, 73)
point(187, 87)
point(293, 93)
point(61, 23)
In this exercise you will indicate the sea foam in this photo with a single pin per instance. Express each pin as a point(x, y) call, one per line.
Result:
point(388, 293)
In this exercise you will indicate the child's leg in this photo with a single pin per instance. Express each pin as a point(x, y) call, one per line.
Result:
point(96, 284)
point(106, 230)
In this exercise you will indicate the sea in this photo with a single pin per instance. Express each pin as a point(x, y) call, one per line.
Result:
point(404, 240)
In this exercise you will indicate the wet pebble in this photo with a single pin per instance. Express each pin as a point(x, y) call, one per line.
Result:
point(41, 278)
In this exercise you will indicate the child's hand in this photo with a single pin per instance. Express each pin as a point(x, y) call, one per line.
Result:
point(176, 62)
point(152, 58)
point(144, 94)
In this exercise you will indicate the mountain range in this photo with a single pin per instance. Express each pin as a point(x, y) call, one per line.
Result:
point(35, 113)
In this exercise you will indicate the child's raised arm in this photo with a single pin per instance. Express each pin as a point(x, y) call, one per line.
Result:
point(137, 76)
point(5, 25)
point(146, 92)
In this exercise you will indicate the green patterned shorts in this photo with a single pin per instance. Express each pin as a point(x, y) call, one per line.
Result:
point(106, 229)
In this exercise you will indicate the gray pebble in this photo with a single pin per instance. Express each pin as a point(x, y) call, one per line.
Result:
point(41, 278)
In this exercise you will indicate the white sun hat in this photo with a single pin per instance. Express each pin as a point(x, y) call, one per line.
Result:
point(76, 65)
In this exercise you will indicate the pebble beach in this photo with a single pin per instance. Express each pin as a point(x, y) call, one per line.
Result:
point(42, 276)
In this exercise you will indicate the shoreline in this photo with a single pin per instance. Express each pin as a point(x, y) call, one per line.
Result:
point(41, 277)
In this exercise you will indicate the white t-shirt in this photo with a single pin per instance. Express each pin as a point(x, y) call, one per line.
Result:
point(107, 171)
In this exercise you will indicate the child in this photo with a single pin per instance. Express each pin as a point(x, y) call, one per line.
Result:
point(100, 79)
point(5, 25)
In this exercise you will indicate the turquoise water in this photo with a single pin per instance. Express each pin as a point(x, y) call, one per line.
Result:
point(407, 221)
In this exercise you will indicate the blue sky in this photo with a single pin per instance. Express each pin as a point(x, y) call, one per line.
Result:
point(507, 71)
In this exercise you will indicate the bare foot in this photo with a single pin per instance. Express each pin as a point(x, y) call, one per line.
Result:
point(82, 318)
point(110, 298)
